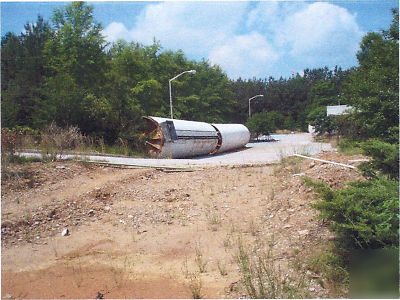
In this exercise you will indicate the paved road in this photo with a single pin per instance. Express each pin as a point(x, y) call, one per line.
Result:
point(253, 153)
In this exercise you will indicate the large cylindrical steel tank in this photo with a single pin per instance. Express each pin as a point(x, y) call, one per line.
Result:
point(171, 138)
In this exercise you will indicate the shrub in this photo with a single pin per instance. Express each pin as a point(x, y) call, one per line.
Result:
point(265, 122)
point(321, 121)
point(364, 215)
point(8, 142)
point(26, 136)
point(349, 147)
point(55, 140)
point(289, 123)
point(260, 124)
point(385, 159)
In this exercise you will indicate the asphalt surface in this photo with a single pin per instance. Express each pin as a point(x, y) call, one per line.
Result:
point(253, 153)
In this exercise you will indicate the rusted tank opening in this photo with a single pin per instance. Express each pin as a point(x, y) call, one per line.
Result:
point(219, 141)
point(155, 139)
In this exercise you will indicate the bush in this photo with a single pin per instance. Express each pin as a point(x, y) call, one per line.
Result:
point(348, 126)
point(8, 148)
point(265, 122)
point(349, 147)
point(364, 215)
point(55, 140)
point(289, 123)
point(321, 121)
point(8, 142)
point(26, 136)
point(385, 159)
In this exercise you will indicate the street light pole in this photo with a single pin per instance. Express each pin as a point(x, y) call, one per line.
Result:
point(250, 101)
point(170, 92)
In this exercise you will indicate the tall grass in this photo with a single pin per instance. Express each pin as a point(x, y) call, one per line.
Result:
point(262, 278)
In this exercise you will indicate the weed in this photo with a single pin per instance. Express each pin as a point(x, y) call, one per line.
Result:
point(101, 144)
point(222, 268)
point(77, 273)
point(293, 164)
point(261, 278)
point(120, 273)
point(195, 286)
point(296, 262)
point(21, 160)
point(253, 228)
point(56, 140)
point(200, 262)
point(349, 147)
point(213, 219)
point(227, 242)
point(193, 280)
point(330, 266)
point(54, 248)
point(233, 228)
point(8, 148)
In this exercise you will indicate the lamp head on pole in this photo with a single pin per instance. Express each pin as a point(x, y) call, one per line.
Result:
point(250, 101)
point(170, 93)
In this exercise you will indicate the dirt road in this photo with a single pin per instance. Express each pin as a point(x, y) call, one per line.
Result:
point(144, 233)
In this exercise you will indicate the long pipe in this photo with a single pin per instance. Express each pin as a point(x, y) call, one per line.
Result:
point(326, 161)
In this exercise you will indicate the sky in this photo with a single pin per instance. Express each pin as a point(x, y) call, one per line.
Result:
point(245, 38)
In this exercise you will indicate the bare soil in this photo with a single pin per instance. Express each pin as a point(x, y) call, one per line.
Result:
point(146, 233)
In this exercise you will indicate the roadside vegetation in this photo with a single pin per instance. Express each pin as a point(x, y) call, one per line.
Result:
point(365, 215)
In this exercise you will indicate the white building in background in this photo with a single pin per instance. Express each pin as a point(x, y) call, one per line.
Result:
point(333, 110)
point(337, 110)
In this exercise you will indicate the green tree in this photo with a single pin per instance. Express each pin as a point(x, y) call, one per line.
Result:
point(11, 56)
point(76, 64)
point(265, 123)
point(373, 89)
point(130, 88)
point(209, 97)
point(22, 66)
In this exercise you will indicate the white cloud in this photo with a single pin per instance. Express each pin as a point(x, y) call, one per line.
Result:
point(194, 27)
point(320, 32)
point(245, 55)
point(116, 31)
point(249, 39)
